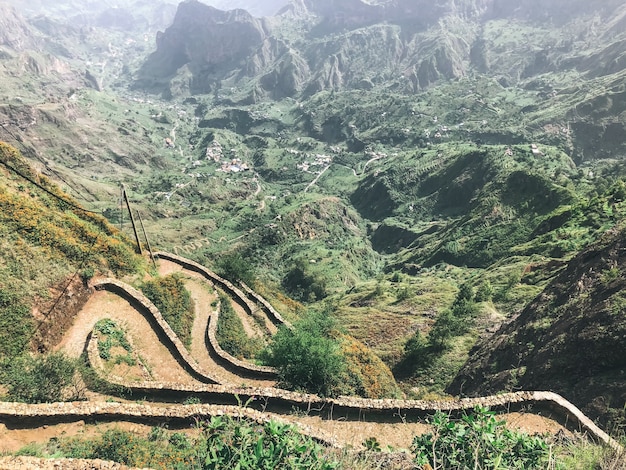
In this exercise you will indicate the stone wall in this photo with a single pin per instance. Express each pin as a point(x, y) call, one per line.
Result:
point(243, 368)
point(147, 308)
point(275, 317)
point(273, 399)
point(35, 463)
point(236, 293)
point(355, 408)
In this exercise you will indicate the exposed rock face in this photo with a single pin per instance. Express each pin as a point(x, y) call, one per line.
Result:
point(570, 339)
point(411, 44)
point(14, 31)
point(210, 41)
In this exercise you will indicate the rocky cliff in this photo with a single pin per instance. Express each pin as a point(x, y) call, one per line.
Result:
point(405, 45)
point(209, 41)
point(571, 339)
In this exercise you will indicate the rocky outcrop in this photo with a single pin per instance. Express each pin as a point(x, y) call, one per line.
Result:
point(570, 339)
point(209, 41)
point(15, 33)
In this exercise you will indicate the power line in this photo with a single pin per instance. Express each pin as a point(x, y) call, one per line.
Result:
point(47, 167)
point(32, 181)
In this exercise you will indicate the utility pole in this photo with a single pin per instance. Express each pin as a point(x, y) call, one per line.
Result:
point(132, 220)
point(146, 237)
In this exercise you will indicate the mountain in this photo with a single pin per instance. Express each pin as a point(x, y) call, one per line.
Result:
point(571, 339)
point(15, 33)
point(378, 157)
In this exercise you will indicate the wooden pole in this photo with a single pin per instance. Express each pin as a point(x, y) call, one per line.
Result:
point(146, 237)
point(132, 220)
point(122, 209)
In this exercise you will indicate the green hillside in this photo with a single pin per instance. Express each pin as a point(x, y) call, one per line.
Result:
point(47, 242)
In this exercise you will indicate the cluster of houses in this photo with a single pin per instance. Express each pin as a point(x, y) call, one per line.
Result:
point(318, 160)
point(215, 152)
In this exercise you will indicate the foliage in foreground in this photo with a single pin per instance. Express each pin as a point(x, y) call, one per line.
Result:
point(41, 379)
point(223, 442)
point(478, 440)
point(174, 302)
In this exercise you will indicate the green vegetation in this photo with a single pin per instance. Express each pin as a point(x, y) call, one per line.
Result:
point(41, 379)
point(112, 336)
point(16, 327)
point(174, 302)
point(316, 358)
point(223, 442)
point(231, 335)
point(235, 268)
point(440, 355)
point(478, 440)
point(307, 357)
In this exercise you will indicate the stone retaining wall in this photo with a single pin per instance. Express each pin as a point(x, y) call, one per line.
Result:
point(147, 308)
point(243, 368)
point(362, 409)
point(278, 400)
point(181, 415)
point(275, 317)
point(249, 306)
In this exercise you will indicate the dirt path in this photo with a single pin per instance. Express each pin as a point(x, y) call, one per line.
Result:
point(203, 295)
point(104, 304)
point(164, 367)
point(347, 433)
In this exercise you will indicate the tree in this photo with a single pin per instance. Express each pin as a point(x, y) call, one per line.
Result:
point(307, 358)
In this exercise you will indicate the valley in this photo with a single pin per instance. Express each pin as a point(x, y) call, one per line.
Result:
point(443, 183)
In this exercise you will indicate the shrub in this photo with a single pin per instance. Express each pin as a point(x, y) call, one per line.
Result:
point(42, 379)
point(307, 358)
point(174, 302)
point(303, 284)
point(223, 442)
point(235, 268)
point(232, 443)
point(477, 440)
point(230, 333)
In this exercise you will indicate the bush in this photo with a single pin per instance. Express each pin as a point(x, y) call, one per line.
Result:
point(304, 285)
point(230, 333)
point(235, 268)
point(478, 440)
point(307, 358)
point(174, 302)
point(42, 379)
point(223, 443)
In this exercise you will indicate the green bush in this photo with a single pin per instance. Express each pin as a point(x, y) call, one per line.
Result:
point(307, 357)
point(303, 284)
point(231, 336)
point(42, 379)
point(235, 268)
point(223, 443)
point(174, 302)
point(478, 440)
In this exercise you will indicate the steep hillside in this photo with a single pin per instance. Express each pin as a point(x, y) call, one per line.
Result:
point(571, 339)
point(49, 245)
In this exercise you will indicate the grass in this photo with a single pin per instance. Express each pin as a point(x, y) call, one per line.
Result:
point(174, 302)
point(231, 335)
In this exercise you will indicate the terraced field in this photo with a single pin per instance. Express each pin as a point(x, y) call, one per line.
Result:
point(168, 376)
